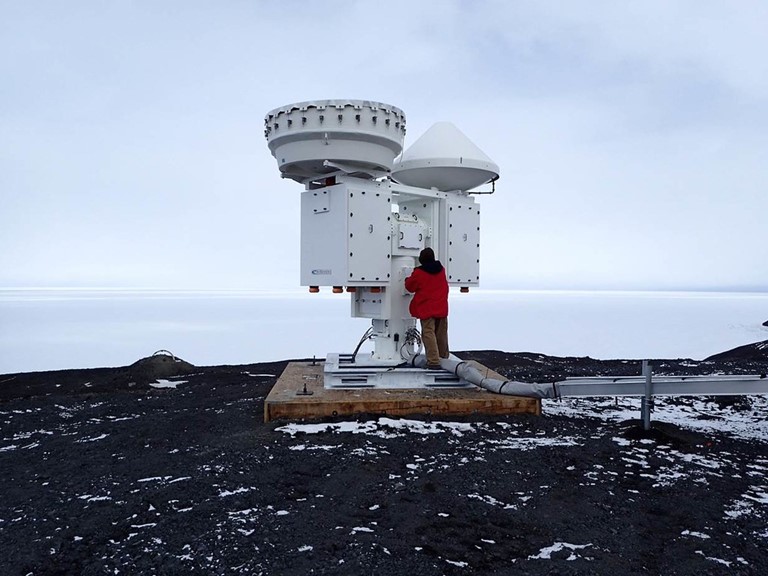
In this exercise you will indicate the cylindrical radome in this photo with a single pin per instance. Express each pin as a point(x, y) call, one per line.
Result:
point(310, 139)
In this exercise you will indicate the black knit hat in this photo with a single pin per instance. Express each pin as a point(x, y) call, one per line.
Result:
point(427, 255)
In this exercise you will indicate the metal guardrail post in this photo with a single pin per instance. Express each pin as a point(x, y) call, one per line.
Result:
point(645, 403)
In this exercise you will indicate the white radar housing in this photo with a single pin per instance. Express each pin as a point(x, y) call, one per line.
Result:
point(444, 158)
point(314, 138)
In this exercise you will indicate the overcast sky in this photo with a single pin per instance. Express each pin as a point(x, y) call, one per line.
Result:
point(632, 137)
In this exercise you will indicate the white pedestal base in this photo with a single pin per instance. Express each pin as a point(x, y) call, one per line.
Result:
point(340, 372)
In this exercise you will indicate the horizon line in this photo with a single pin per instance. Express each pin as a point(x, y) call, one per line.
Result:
point(298, 289)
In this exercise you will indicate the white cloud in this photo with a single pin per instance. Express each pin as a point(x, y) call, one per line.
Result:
point(630, 136)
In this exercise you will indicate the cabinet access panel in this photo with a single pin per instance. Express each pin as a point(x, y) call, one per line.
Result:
point(345, 236)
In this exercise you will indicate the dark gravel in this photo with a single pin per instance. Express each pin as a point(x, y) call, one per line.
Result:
point(104, 474)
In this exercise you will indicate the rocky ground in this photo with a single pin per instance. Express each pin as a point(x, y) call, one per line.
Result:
point(167, 468)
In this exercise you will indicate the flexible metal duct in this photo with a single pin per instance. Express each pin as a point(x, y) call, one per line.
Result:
point(472, 375)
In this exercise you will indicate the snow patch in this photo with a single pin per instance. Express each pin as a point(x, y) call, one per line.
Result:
point(683, 411)
point(531, 443)
point(241, 490)
point(383, 427)
point(94, 439)
point(492, 501)
point(696, 534)
point(167, 383)
point(546, 553)
point(759, 496)
point(325, 447)
point(25, 435)
point(713, 559)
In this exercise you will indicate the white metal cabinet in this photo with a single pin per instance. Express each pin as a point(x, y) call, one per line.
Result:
point(463, 242)
point(346, 234)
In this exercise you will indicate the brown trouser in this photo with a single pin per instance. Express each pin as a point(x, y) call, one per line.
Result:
point(434, 335)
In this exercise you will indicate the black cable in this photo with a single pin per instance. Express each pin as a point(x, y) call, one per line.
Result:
point(359, 344)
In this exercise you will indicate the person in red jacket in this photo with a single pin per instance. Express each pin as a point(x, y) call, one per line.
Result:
point(430, 305)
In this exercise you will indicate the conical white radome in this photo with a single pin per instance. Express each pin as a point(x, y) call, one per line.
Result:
point(444, 158)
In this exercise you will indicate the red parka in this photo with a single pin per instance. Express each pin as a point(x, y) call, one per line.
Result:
point(430, 287)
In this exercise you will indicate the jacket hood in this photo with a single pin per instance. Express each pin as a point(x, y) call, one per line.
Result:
point(432, 267)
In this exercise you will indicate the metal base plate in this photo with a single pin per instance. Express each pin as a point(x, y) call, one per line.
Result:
point(341, 373)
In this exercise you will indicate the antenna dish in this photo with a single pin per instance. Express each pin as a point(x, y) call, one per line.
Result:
point(311, 139)
point(444, 158)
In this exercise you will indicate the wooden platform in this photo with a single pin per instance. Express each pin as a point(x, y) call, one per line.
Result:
point(285, 403)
